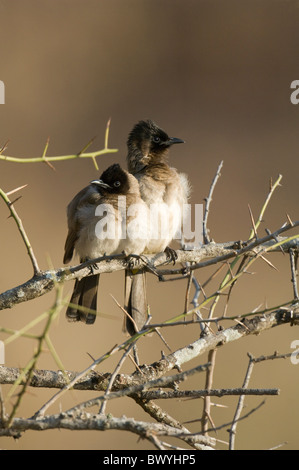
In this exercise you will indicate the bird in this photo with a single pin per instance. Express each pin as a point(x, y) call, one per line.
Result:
point(98, 225)
point(165, 191)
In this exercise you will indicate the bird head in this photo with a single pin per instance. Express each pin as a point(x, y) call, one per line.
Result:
point(113, 180)
point(148, 144)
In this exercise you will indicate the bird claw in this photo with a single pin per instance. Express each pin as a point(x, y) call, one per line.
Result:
point(93, 268)
point(133, 261)
point(171, 254)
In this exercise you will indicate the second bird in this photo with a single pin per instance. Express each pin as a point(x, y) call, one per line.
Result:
point(165, 191)
point(98, 208)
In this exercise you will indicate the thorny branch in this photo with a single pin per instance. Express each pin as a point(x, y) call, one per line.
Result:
point(48, 160)
point(147, 384)
point(44, 281)
point(89, 380)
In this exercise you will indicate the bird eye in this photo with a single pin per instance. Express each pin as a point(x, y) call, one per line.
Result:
point(156, 139)
point(116, 184)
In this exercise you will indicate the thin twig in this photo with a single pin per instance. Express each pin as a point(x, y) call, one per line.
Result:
point(245, 416)
point(135, 389)
point(194, 394)
point(206, 414)
point(252, 222)
point(293, 260)
point(20, 226)
point(113, 375)
point(28, 371)
point(265, 205)
point(232, 431)
point(68, 386)
point(208, 200)
point(80, 154)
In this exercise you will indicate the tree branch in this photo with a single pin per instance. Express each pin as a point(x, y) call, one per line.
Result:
point(43, 282)
point(81, 154)
point(99, 382)
point(88, 421)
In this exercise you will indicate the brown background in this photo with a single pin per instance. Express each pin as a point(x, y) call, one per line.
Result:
point(214, 73)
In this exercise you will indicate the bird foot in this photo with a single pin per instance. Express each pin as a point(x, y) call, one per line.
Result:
point(134, 261)
point(171, 254)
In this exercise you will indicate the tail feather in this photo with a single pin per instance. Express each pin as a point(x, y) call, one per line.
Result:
point(85, 294)
point(135, 301)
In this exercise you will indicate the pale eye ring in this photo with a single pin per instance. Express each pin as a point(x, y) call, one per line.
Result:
point(116, 184)
point(156, 139)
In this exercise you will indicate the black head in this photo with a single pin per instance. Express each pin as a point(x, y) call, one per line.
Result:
point(148, 143)
point(114, 180)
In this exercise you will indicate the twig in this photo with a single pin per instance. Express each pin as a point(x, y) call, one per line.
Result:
point(265, 205)
point(28, 370)
point(252, 361)
point(206, 414)
point(251, 249)
point(245, 416)
point(193, 394)
point(135, 389)
point(113, 376)
point(232, 431)
point(19, 223)
point(252, 222)
point(50, 402)
point(162, 416)
point(208, 200)
point(293, 260)
point(125, 312)
point(80, 154)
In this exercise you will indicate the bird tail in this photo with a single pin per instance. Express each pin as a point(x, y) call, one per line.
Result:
point(135, 300)
point(85, 294)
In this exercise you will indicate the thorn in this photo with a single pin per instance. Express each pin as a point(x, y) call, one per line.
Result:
point(4, 147)
point(252, 221)
point(256, 308)
point(268, 262)
point(163, 339)
point(46, 147)
point(107, 133)
point(15, 190)
point(95, 163)
point(49, 164)
point(290, 220)
point(44, 155)
point(87, 145)
point(13, 202)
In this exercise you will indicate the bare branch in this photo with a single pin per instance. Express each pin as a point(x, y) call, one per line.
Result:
point(90, 380)
point(19, 223)
point(81, 154)
point(88, 421)
point(208, 201)
point(43, 282)
point(293, 260)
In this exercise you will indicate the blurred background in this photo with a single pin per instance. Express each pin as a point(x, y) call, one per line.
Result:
point(214, 73)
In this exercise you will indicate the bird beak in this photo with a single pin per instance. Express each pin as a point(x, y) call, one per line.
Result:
point(100, 183)
point(174, 140)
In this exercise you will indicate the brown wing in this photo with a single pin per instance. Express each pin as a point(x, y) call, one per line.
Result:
point(69, 246)
point(86, 196)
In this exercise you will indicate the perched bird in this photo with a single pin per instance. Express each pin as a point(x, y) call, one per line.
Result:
point(165, 191)
point(98, 224)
